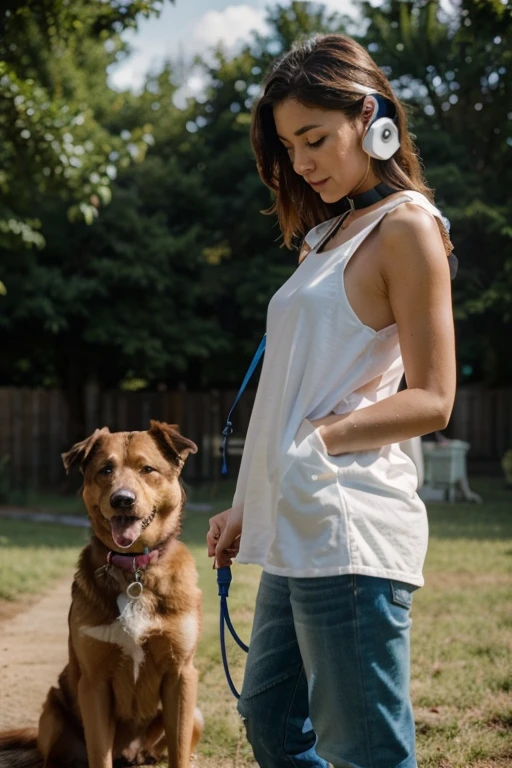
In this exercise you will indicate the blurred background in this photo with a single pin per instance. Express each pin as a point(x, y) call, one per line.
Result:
point(135, 272)
point(135, 265)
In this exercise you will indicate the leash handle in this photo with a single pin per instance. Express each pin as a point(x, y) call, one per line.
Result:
point(228, 429)
point(223, 582)
point(224, 655)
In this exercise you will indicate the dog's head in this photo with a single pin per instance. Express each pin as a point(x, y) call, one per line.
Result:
point(132, 488)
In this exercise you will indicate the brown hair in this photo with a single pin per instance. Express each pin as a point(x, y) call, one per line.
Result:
point(321, 72)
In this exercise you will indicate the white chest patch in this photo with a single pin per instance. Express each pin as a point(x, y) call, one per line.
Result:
point(132, 625)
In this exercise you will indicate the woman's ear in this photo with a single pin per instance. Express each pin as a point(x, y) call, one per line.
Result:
point(367, 112)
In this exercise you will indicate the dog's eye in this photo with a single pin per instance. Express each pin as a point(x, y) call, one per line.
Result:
point(106, 470)
point(147, 469)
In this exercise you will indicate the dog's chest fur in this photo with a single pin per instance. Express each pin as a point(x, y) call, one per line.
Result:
point(133, 625)
point(136, 622)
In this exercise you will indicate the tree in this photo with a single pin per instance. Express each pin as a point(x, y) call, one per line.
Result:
point(59, 155)
point(169, 285)
point(51, 132)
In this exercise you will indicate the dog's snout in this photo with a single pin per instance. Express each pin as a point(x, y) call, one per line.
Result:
point(122, 499)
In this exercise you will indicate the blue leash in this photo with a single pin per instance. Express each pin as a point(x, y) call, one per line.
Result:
point(224, 573)
point(223, 581)
point(228, 429)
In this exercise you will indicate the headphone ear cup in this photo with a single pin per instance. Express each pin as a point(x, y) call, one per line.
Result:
point(382, 140)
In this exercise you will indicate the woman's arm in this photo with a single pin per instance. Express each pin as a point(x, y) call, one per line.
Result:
point(416, 274)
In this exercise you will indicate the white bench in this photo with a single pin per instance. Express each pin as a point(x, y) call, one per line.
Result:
point(445, 471)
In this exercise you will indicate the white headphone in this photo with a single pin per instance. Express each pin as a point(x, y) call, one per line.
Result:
point(381, 139)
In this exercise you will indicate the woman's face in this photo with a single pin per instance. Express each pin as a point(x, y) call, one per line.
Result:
point(324, 148)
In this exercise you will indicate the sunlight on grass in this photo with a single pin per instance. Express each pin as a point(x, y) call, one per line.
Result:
point(461, 634)
point(32, 555)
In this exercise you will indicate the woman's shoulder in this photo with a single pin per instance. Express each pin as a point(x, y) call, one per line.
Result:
point(415, 207)
point(411, 214)
point(410, 233)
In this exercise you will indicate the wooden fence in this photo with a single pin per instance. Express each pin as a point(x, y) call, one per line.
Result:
point(35, 429)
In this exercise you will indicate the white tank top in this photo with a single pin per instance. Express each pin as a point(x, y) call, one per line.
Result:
point(307, 513)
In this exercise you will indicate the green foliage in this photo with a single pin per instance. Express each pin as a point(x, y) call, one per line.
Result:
point(169, 283)
point(53, 60)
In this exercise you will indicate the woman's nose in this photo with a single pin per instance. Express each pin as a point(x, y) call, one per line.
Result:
point(302, 163)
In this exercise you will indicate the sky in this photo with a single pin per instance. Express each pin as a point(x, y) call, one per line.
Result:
point(191, 26)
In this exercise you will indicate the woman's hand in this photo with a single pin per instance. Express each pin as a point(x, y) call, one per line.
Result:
point(223, 537)
point(322, 427)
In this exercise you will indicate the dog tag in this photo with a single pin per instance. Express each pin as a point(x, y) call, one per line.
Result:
point(134, 590)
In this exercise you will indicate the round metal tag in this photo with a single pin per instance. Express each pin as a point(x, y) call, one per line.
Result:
point(134, 590)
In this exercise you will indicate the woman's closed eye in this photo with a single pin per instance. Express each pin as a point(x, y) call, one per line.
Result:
point(310, 144)
point(315, 144)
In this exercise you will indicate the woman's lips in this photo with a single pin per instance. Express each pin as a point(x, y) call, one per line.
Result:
point(318, 184)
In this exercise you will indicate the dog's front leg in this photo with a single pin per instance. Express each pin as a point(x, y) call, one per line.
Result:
point(95, 699)
point(179, 695)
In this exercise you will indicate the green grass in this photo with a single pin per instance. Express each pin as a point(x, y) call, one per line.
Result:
point(45, 501)
point(32, 555)
point(461, 634)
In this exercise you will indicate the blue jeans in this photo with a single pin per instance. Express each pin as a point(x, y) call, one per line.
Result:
point(327, 675)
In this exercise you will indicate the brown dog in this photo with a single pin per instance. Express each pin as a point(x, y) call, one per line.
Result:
point(128, 692)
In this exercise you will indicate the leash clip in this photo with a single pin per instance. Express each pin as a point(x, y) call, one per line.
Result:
point(228, 429)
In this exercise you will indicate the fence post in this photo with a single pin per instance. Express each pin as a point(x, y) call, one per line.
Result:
point(91, 406)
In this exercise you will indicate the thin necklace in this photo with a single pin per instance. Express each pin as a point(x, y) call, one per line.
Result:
point(335, 227)
point(344, 216)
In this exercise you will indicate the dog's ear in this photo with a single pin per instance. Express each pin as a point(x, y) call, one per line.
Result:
point(80, 451)
point(169, 440)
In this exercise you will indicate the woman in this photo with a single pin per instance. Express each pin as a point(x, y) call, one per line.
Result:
point(326, 500)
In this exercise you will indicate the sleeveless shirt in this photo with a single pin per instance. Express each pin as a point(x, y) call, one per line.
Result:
point(305, 512)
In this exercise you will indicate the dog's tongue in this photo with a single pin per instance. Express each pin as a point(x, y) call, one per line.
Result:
point(125, 530)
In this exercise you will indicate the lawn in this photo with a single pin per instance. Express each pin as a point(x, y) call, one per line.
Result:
point(461, 635)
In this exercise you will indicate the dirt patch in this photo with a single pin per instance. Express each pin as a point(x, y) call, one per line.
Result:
point(33, 651)
point(9, 609)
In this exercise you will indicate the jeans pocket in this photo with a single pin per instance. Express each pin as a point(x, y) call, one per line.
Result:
point(401, 593)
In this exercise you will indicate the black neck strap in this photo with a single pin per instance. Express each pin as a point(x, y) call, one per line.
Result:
point(365, 199)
